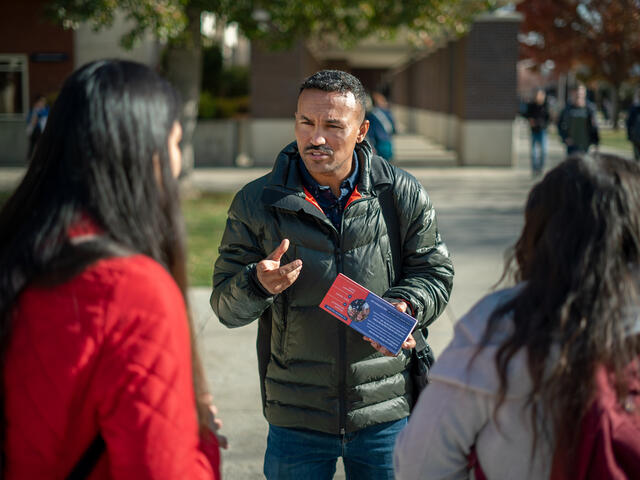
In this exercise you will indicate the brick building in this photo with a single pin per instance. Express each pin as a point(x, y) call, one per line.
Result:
point(462, 93)
point(35, 58)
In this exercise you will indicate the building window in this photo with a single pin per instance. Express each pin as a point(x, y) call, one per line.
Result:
point(13, 86)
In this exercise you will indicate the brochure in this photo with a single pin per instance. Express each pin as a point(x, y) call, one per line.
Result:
point(367, 313)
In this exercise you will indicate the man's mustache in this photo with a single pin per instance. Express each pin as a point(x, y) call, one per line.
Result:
point(319, 148)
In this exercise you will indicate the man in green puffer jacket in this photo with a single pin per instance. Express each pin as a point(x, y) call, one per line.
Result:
point(329, 206)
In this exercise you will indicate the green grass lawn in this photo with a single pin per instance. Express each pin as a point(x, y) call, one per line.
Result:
point(205, 218)
point(615, 139)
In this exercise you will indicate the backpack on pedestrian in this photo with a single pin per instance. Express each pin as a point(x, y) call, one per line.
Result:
point(609, 442)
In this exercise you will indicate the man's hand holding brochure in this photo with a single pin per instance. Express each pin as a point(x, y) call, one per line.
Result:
point(383, 324)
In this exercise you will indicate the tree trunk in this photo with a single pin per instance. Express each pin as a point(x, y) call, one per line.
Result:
point(184, 71)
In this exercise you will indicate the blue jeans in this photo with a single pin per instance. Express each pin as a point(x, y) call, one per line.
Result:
point(539, 140)
point(295, 454)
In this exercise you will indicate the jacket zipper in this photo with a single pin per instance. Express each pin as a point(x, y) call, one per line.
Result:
point(342, 337)
point(389, 272)
point(342, 351)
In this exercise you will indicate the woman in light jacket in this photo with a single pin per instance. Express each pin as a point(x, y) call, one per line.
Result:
point(100, 376)
point(512, 388)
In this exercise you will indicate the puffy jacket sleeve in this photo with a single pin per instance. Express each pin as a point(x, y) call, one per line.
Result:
point(144, 387)
point(426, 279)
point(237, 298)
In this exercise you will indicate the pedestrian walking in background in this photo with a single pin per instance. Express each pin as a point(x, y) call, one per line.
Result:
point(101, 378)
point(330, 206)
point(633, 125)
point(538, 116)
point(513, 392)
point(36, 121)
point(381, 126)
point(577, 124)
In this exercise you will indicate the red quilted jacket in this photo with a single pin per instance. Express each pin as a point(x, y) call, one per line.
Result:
point(106, 352)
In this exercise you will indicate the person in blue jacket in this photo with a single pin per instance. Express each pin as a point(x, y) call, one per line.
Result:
point(381, 126)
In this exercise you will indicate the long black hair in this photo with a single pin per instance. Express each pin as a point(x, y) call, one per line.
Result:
point(103, 156)
point(577, 255)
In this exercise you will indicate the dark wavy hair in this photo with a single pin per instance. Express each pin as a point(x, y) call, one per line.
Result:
point(577, 256)
point(337, 81)
point(103, 155)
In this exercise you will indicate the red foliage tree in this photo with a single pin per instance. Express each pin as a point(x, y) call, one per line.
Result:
point(602, 35)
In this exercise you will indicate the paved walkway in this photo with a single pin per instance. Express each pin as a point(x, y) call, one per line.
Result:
point(480, 216)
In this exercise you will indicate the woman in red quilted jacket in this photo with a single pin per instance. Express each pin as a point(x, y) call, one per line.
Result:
point(101, 379)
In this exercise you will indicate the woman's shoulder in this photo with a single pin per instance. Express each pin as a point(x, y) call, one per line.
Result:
point(463, 363)
point(137, 271)
point(135, 282)
point(470, 329)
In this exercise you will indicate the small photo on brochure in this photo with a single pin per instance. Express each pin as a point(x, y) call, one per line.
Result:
point(367, 313)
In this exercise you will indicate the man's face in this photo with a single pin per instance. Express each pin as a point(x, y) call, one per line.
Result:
point(328, 126)
point(580, 96)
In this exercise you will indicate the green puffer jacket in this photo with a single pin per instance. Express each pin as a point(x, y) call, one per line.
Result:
point(317, 373)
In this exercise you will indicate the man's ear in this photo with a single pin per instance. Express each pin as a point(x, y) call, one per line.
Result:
point(362, 131)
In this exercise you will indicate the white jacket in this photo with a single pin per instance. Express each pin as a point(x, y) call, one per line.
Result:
point(456, 411)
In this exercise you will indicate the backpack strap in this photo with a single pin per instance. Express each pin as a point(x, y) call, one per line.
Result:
point(396, 239)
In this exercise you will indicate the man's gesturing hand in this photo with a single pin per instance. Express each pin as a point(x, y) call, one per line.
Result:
point(273, 277)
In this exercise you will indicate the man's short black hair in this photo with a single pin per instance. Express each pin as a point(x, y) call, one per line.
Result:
point(336, 81)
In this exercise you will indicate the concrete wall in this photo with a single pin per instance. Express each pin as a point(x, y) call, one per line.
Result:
point(13, 143)
point(215, 143)
point(463, 94)
point(486, 143)
point(267, 137)
point(438, 126)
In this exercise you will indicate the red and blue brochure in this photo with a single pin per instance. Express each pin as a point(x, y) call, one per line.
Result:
point(367, 313)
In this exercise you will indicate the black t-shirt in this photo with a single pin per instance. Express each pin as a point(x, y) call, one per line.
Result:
point(539, 114)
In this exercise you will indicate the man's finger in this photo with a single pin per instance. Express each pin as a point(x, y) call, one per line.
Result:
point(379, 347)
point(290, 267)
point(267, 266)
point(276, 255)
point(288, 279)
point(409, 343)
point(400, 305)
